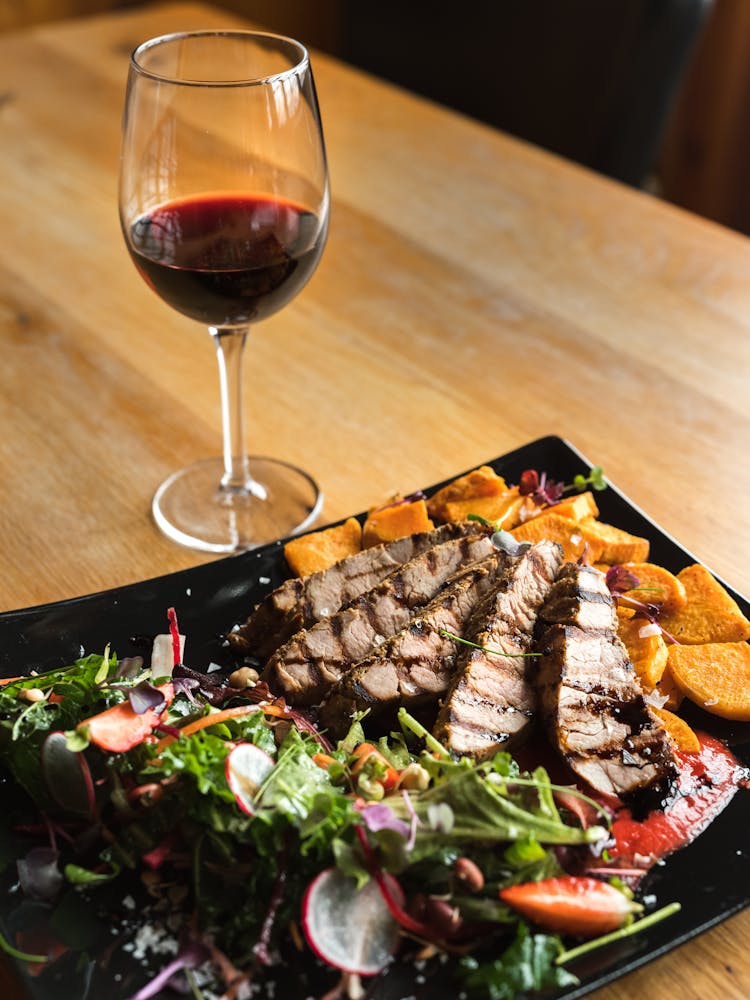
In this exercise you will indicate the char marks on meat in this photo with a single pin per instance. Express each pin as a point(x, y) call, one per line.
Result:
point(492, 700)
point(300, 602)
point(590, 698)
point(305, 667)
point(413, 667)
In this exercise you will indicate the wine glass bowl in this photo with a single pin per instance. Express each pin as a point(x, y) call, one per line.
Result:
point(224, 208)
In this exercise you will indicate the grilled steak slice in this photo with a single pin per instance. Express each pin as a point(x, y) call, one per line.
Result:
point(415, 665)
point(300, 602)
point(594, 710)
point(492, 700)
point(311, 662)
point(580, 597)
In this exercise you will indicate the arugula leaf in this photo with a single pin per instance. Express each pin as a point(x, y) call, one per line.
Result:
point(527, 965)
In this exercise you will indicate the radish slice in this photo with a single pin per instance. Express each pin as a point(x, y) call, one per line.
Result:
point(162, 655)
point(67, 776)
point(351, 929)
point(247, 767)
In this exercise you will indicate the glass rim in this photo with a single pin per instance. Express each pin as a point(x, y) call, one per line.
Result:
point(257, 81)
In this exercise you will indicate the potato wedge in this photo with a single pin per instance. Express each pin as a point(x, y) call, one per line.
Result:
point(656, 585)
point(709, 614)
point(716, 676)
point(397, 520)
point(321, 549)
point(648, 653)
point(558, 529)
point(668, 688)
point(503, 509)
point(577, 507)
point(682, 736)
point(481, 482)
point(614, 544)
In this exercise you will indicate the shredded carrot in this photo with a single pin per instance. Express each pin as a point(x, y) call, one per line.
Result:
point(216, 717)
point(323, 760)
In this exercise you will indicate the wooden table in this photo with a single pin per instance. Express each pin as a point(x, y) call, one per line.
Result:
point(475, 294)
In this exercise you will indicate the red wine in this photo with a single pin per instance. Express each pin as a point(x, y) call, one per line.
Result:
point(227, 259)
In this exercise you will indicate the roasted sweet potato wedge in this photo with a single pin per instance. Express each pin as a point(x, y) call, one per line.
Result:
point(682, 736)
point(709, 613)
point(481, 482)
point(503, 509)
point(648, 652)
point(656, 585)
point(577, 507)
point(716, 676)
point(321, 549)
point(396, 520)
point(614, 544)
point(562, 530)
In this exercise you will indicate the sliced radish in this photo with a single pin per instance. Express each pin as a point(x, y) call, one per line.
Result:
point(163, 655)
point(351, 929)
point(67, 776)
point(247, 767)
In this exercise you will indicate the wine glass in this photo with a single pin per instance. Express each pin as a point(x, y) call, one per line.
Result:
point(224, 206)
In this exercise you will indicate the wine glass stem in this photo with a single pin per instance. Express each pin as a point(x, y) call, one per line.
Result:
point(230, 347)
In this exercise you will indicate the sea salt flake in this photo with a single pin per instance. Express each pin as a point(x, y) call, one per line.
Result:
point(264, 579)
point(213, 667)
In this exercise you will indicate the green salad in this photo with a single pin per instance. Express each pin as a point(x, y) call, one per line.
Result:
point(254, 841)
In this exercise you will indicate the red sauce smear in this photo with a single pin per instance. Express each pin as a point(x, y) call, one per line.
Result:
point(707, 781)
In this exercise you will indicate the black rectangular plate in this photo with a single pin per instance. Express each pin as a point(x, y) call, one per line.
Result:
point(709, 878)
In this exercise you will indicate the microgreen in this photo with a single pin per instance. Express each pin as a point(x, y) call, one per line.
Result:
point(595, 480)
point(485, 649)
point(22, 956)
point(627, 931)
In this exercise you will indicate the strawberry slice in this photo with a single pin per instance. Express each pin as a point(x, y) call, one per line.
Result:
point(120, 728)
point(571, 904)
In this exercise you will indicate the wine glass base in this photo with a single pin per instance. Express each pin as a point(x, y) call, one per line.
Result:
point(191, 508)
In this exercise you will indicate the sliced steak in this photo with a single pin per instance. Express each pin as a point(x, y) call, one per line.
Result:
point(594, 710)
point(415, 665)
point(300, 602)
point(310, 663)
point(580, 597)
point(492, 700)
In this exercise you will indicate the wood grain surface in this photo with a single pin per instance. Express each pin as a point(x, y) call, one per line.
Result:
point(475, 294)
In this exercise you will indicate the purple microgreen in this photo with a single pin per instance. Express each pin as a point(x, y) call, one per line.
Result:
point(162, 727)
point(39, 874)
point(411, 498)
point(619, 579)
point(190, 956)
point(262, 947)
point(145, 696)
point(186, 686)
point(543, 491)
point(485, 649)
point(378, 816)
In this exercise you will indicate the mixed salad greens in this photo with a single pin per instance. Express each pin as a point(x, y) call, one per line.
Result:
point(234, 835)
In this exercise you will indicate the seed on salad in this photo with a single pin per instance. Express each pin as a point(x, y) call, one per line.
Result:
point(414, 777)
point(469, 874)
point(243, 678)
